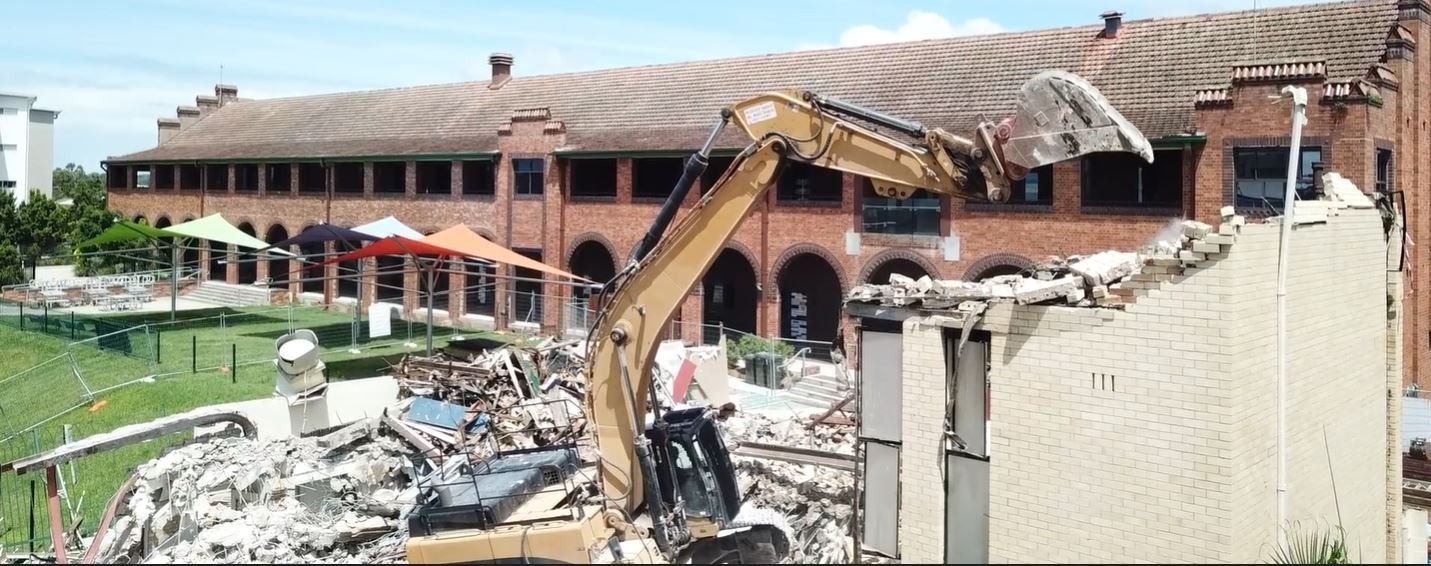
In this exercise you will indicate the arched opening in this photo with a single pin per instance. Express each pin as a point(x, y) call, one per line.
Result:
point(880, 274)
point(729, 296)
point(277, 264)
point(592, 260)
point(997, 270)
point(312, 255)
point(218, 260)
point(162, 222)
point(809, 301)
point(140, 219)
point(247, 261)
point(390, 280)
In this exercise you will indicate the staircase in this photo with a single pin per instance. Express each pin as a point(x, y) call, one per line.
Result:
point(818, 387)
point(224, 294)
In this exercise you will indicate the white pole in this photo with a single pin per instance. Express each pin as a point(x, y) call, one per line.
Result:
point(1289, 198)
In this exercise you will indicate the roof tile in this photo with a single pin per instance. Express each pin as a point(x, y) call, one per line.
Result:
point(1155, 72)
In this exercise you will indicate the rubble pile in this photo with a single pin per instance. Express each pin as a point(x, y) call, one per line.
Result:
point(502, 399)
point(1105, 279)
point(297, 500)
point(816, 501)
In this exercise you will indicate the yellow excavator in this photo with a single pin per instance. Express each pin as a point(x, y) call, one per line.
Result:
point(661, 486)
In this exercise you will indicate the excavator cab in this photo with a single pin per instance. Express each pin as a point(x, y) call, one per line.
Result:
point(693, 470)
point(696, 464)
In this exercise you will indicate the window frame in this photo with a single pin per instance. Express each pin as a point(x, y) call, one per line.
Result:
point(482, 191)
point(575, 179)
point(1088, 169)
point(782, 188)
point(1385, 170)
point(524, 190)
point(871, 202)
point(1278, 173)
point(636, 182)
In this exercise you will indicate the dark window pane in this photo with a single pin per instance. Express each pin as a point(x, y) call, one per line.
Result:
point(528, 176)
point(655, 177)
point(802, 182)
point(390, 178)
point(348, 178)
point(163, 177)
point(246, 177)
point(280, 178)
point(477, 178)
point(1262, 174)
point(217, 178)
point(1036, 188)
point(916, 215)
point(593, 177)
point(714, 171)
point(1124, 179)
point(1383, 170)
point(434, 178)
point(312, 178)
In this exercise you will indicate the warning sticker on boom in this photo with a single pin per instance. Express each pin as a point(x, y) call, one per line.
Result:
point(760, 113)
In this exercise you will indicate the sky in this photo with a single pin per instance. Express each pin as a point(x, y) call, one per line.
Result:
point(112, 68)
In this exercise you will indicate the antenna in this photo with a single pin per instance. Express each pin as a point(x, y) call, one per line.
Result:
point(221, 65)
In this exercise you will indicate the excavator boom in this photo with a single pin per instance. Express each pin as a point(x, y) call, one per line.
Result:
point(644, 452)
point(1058, 116)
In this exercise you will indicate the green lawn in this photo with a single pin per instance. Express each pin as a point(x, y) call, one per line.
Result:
point(172, 353)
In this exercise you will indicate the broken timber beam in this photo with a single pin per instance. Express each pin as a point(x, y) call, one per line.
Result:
point(127, 435)
point(793, 455)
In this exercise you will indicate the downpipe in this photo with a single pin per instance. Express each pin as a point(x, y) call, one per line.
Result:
point(1289, 198)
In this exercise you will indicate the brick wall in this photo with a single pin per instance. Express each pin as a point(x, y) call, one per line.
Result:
point(921, 454)
point(1174, 459)
point(985, 236)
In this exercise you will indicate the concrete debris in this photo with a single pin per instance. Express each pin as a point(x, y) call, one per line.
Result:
point(817, 501)
point(1105, 279)
point(236, 500)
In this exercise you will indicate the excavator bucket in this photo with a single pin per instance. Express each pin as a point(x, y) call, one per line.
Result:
point(1060, 116)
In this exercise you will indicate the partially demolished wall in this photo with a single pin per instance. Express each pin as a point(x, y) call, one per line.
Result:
point(1146, 432)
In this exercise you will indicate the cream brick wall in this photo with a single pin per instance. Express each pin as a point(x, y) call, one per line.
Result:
point(1174, 460)
point(921, 456)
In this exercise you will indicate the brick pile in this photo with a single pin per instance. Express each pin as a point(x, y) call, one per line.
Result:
point(1109, 279)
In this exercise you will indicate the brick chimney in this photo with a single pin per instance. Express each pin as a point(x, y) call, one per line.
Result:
point(206, 104)
point(501, 69)
point(167, 128)
point(187, 115)
point(1112, 21)
point(226, 93)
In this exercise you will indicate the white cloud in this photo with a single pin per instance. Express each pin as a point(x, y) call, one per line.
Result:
point(918, 25)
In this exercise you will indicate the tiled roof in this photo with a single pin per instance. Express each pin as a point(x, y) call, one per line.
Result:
point(1152, 72)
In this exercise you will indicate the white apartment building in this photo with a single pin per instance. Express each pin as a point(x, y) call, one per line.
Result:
point(27, 146)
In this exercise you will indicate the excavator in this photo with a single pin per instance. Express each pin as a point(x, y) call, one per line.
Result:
point(664, 487)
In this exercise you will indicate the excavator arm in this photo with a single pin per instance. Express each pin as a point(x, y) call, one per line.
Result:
point(1058, 116)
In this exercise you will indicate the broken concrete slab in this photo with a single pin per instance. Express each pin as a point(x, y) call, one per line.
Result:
point(1106, 267)
point(1034, 290)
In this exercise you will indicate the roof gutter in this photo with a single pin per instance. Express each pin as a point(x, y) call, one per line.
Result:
point(637, 153)
point(474, 156)
point(1179, 141)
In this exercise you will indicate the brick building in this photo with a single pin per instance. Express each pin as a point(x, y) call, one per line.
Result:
point(571, 168)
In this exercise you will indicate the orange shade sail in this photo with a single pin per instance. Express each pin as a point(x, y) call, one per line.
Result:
point(457, 241)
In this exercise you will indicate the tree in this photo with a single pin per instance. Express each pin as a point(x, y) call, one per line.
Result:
point(9, 218)
point(89, 216)
point(43, 226)
point(10, 271)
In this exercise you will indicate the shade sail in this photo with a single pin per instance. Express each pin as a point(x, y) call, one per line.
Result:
point(324, 233)
point(124, 231)
point(457, 241)
point(214, 228)
point(472, 244)
point(396, 245)
point(388, 226)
